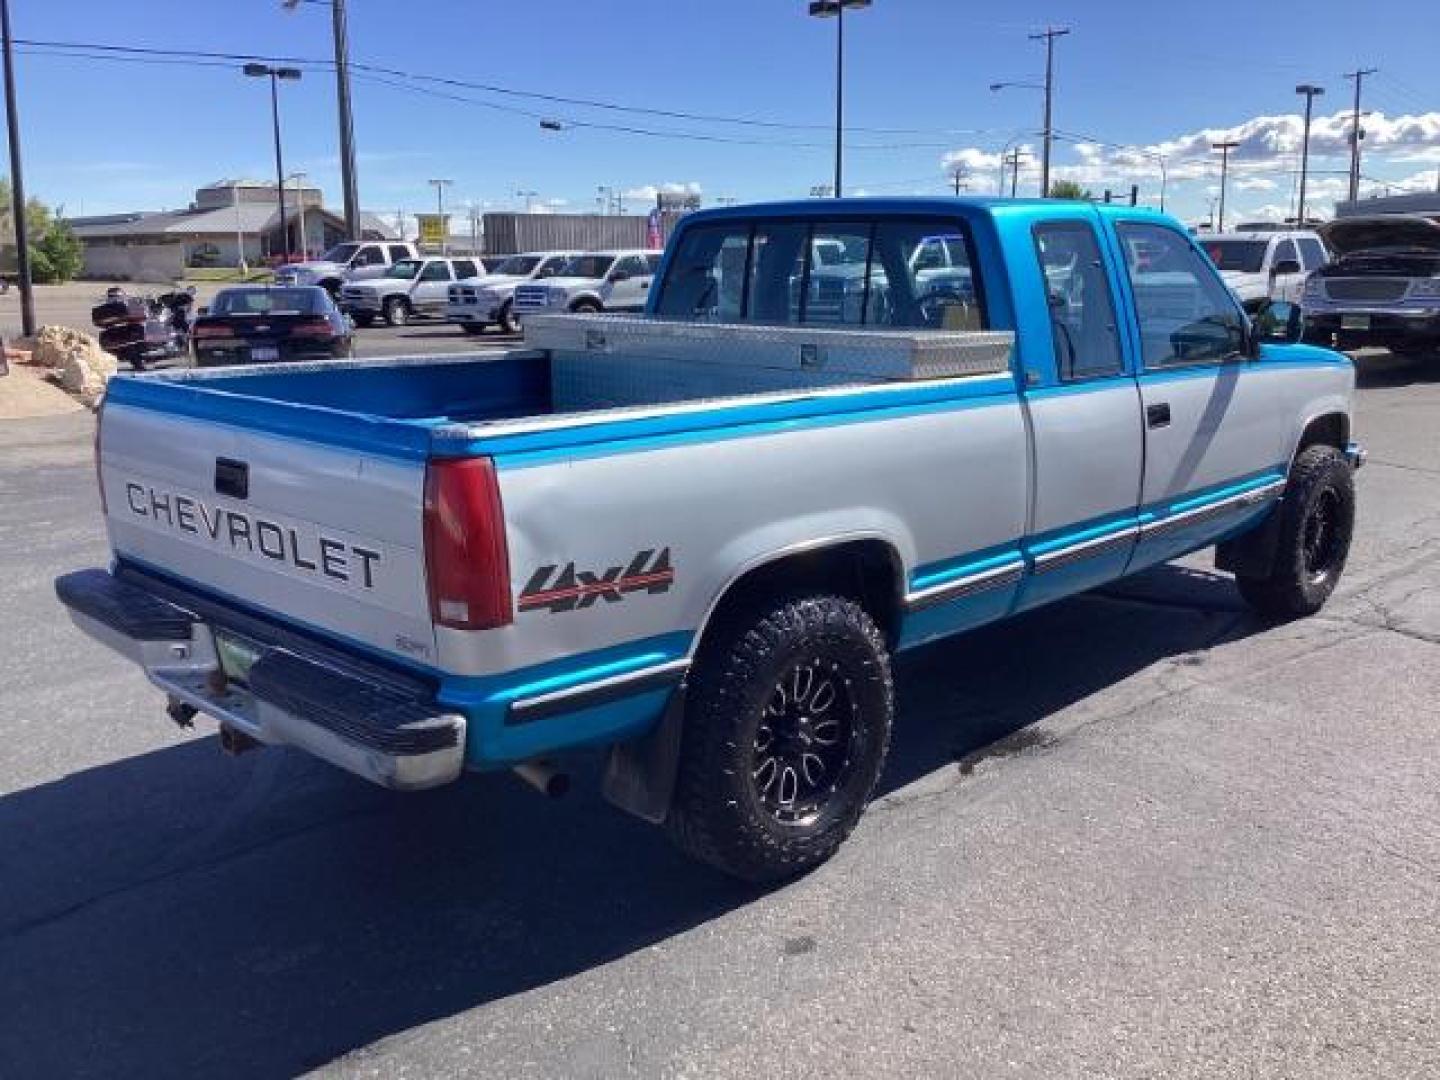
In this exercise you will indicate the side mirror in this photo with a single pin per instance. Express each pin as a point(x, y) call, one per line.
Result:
point(1285, 266)
point(1279, 323)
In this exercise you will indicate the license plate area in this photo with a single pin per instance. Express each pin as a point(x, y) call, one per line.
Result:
point(264, 352)
point(1354, 322)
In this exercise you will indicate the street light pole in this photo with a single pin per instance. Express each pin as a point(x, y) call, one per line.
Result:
point(300, 209)
point(274, 74)
point(825, 9)
point(1355, 134)
point(439, 186)
point(348, 183)
point(1048, 35)
point(17, 181)
point(1224, 148)
point(1311, 92)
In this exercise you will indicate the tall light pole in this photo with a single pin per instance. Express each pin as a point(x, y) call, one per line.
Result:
point(299, 178)
point(527, 196)
point(996, 87)
point(1311, 92)
point(340, 34)
point(274, 74)
point(1355, 133)
point(1048, 35)
point(825, 9)
point(17, 181)
point(1224, 148)
point(439, 186)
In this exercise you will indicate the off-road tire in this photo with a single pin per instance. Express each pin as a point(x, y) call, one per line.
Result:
point(1317, 521)
point(718, 814)
point(397, 311)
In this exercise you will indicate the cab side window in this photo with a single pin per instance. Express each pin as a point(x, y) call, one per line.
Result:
point(370, 255)
point(1284, 252)
point(398, 252)
point(1312, 253)
point(1186, 314)
point(1077, 293)
point(706, 281)
point(465, 268)
point(630, 266)
point(435, 271)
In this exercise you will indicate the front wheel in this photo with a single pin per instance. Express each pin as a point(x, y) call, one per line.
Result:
point(1317, 521)
point(508, 321)
point(786, 731)
point(585, 307)
point(397, 311)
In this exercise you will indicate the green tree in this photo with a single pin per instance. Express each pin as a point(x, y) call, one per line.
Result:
point(57, 258)
point(1069, 189)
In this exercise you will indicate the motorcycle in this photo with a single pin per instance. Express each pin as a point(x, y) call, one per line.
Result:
point(142, 329)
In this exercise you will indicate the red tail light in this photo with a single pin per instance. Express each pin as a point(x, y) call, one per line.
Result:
point(312, 328)
point(466, 561)
point(204, 330)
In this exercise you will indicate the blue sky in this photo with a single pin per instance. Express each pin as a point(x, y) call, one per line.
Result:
point(104, 136)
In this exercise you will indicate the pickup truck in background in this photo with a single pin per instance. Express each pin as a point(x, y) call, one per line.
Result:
point(696, 539)
point(1264, 266)
point(350, 261)
point(488, 300)
point(411, 288)
point(1383, 287)
point(590, 283)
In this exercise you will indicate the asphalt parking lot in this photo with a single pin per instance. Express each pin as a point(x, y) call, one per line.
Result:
point(1137, 834)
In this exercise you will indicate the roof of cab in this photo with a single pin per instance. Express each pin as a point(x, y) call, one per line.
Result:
point(909, 205)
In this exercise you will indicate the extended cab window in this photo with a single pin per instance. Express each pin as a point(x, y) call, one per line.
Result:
point(706, 282)
point(1186, 314)
point(399, 251)
point(435, 271)
point(1082, 311)
point(465, 268)
point(370, 255)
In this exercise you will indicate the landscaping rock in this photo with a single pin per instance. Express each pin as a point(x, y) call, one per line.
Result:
point(75, 360)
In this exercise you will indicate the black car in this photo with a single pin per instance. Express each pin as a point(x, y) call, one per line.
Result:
point(256, 324)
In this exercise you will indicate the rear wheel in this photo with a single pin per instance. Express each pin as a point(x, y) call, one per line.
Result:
point(397, 311)
point(786, 731)
point(1317, 520)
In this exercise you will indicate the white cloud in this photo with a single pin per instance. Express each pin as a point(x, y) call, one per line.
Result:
point(1256, 183)
point(648, 192)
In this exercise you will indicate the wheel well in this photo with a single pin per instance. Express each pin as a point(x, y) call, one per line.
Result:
point(1332, 429)
point(867, 571)
point(586, 301)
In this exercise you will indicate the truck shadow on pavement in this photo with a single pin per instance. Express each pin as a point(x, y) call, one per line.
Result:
point(1381, 370)
point(179, 913)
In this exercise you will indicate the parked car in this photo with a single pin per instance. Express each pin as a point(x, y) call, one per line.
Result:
point(700, 544)
point(1383, 287)
point(409, 289)
point(255, 324)
point(488, 300)
point(593, 282)
point(1263, 266)
point(350, 261)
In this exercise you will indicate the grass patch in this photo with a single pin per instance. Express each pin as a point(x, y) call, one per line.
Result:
point(202, 274)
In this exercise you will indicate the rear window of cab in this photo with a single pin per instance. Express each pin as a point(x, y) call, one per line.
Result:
point(888, 273)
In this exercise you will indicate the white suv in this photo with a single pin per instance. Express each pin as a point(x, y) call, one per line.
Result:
point(595, 281)
point(488, 300)
point(1261, 266)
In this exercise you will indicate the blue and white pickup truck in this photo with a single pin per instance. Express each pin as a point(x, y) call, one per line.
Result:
point(697, 537)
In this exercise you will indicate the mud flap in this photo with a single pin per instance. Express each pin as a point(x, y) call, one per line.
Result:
point(640, 773)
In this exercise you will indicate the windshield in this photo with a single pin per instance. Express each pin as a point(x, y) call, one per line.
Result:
point(1244, 256)
point(519, 265)
point(405, 269)
point(588, 266)
point(265, 301)
point(340, 253)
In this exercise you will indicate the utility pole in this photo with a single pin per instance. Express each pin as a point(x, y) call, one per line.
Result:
point(299, 179)
point(959, 174)
point(17, 181)
point(1355, 133)
point(1224, 148)
point(1012, 159)
point(1048, 35)
point(1311, 92)
point(348, 183)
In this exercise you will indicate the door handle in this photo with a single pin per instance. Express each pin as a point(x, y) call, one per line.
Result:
point(1157, 415)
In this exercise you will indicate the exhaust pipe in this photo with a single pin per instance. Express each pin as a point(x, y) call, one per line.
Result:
point(235, 742)
point(543, 777)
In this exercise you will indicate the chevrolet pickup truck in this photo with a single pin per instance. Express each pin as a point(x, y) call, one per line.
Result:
point(696, 538)
point(1383, 287)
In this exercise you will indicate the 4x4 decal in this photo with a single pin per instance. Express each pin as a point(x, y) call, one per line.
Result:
point(573, 589)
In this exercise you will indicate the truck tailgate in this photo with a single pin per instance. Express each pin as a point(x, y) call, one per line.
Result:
point(329, 538)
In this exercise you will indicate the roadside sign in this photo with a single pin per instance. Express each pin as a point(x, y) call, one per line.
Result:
point(434, 229)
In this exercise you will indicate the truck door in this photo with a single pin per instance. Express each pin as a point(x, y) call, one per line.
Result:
point(1211, 429)
point(629, 283)
point(432, 286)
point(1085, 416)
